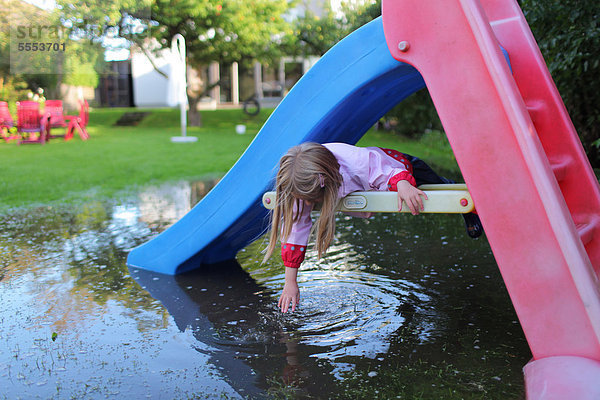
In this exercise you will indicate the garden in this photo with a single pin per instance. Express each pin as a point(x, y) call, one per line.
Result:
point(400, 306)
point(411, 319)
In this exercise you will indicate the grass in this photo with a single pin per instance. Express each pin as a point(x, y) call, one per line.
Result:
point(116, 159)
point(420, 380)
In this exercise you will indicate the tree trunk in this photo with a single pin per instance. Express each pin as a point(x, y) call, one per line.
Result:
point(55, 92)
point(194, 117)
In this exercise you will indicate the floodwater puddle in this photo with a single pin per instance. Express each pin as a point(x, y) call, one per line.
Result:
point(401, 306)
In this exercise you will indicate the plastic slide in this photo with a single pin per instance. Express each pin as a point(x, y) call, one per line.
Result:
point(338, 99)
point(517, 149)
point(534, 188)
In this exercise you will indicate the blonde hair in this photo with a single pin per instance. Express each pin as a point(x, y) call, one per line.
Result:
point(308, 172)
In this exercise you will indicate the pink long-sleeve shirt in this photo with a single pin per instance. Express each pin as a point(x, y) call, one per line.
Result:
point(362, 169)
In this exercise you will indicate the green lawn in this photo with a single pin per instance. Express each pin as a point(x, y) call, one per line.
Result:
point(116, 159)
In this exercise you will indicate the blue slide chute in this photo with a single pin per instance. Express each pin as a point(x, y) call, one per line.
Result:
point(337, 100)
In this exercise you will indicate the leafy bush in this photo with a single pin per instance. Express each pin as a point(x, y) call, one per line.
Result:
point(13, 89)
point(568, 34)
point(413, 116)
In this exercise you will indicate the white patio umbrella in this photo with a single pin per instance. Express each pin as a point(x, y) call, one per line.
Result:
point(177, 86)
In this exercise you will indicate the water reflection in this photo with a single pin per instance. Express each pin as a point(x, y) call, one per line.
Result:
point(162, 206)
point(227, 312)
point(400, 305)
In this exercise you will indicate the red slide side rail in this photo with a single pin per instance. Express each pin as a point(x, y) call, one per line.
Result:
point(521, 158)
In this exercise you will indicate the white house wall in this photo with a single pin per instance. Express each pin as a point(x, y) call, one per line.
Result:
point(149, 87)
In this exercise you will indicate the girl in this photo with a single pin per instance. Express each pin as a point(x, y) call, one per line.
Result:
point(312, 173)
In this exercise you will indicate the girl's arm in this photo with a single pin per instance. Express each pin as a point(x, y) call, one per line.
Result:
point(292, 254)
point(294, 247)
point(291, 293)
point(393, 171)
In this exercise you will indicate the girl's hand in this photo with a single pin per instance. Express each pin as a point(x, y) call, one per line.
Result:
point(290, 294)
point(411, 196)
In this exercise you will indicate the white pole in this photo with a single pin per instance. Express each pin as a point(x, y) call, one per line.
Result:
point(258, 81)
point(282, 76)
point(235, 84)
point(178, 50)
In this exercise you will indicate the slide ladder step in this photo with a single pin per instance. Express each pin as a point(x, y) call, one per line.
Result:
point(587, 230)
point(560, 167)
point(566, 162)
point(560, 163)
point(447, 198)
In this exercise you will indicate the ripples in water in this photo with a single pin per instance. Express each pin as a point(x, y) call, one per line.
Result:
point(351, 311)
point(393, 296)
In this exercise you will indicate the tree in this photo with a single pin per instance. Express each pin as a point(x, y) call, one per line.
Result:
point(14, 79)
point(214, 30)
point(315, 35)
point(28, 69)
point(81, 64)
point(568, 34)
point(222, 31)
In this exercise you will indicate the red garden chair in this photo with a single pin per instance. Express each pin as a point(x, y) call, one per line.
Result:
point(30, 120)
point(6, 123)
point(57, 119)
point(79, 122)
